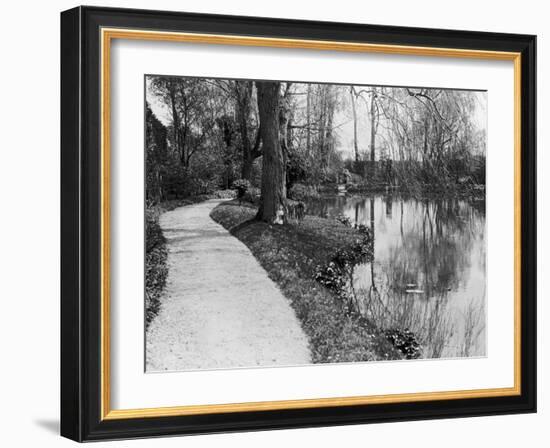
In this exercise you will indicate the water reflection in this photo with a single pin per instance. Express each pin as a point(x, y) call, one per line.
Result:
point(428, 272)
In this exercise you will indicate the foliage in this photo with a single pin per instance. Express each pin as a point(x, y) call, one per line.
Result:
point(405, 341)
point(337, 274)
point(193, 111)
point(296, 210)
point(223, 194)
point(344, 220)
point(233, 213)
point(297, 168)
point(301, 192)
point(242, 186)
point(252, 195)
point(156, 270)
point(332, 278)
point(420, 140)
point(156, 153)
point(289, 253)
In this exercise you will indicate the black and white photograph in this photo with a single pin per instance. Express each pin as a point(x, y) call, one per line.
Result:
point(291, 223)
point(275, 224)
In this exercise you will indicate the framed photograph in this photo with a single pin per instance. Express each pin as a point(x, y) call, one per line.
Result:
point(276, 224)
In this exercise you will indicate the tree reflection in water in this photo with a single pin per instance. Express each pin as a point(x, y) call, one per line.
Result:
point(428, 273)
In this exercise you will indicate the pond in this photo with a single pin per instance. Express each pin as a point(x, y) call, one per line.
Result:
point(428, 274)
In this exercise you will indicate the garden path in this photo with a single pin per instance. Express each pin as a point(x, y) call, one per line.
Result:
point(219, 308)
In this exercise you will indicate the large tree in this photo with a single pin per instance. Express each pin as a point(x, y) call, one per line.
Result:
point(273, 193)
point(354, 111)
point(192, 111)
point(250, 144)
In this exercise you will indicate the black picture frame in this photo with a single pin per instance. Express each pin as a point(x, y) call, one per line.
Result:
point(81, 224)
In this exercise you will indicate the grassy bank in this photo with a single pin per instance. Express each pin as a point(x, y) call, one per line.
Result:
point(291, 255)
point(156, 254)
point(156, 270)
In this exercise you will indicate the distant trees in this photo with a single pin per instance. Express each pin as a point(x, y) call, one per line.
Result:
point(421, 138)
point(203, 133)
point(314, 156)
point(191, 112)
point(275, 134)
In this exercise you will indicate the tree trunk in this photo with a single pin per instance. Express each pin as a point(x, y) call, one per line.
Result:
point(372, 134)
point(175, 119)
point(355, 145)
point(308, 119)
point(329, 141)
point(243, 90)
point(285, 121)
point(251, 154)
point(322, 130)
point(273, 195)
point(246, 171)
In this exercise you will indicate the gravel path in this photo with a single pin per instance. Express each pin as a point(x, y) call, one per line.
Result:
point(219, 308)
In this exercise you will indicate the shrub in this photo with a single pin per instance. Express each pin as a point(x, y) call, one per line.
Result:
point(156, 270)
point(241, 186)
point(332, 278)
point(206, 186)
point(296, 210)
point(405, 341)
point(224, 194)
point(179, 182)
point(153, 233)
point(252, 195)
point(301, 192)
point(336, 275)
point(344, 220)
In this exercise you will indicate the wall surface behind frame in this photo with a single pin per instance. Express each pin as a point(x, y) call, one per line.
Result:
point(30, 220)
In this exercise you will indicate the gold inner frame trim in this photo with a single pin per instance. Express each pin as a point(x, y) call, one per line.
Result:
point(107, 35)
